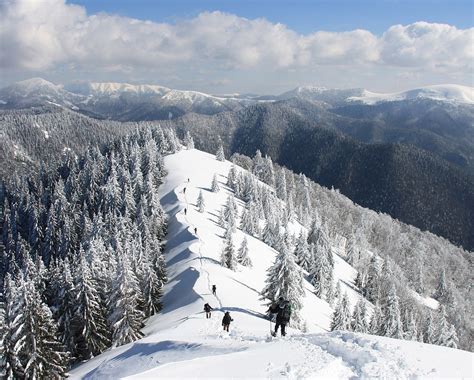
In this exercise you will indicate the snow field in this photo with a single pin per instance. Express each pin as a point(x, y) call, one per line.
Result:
point(181, 343)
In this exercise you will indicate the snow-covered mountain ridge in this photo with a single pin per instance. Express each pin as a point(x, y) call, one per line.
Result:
point(181, 343)
point(446, 93)
point(39, 86)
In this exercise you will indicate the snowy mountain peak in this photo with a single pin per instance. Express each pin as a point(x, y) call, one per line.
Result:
point(447, 93)
point(34, 85)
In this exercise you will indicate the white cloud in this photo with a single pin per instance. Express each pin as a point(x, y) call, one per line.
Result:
point(47, 34)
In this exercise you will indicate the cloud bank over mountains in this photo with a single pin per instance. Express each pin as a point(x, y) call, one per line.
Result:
point(56, 37)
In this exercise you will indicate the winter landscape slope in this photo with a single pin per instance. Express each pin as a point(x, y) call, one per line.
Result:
point(179, 342)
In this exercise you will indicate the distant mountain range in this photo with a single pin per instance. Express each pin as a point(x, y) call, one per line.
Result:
point(409, 154)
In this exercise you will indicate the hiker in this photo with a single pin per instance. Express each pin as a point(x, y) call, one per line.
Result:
point(226, 321)
point(282, 309)
point(184, 191)
point(185, 211)
point(207, 309)
point(188, 180)
point(214, 288)
point(195, 231)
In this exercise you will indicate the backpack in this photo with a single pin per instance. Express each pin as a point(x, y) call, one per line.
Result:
point(286, 314)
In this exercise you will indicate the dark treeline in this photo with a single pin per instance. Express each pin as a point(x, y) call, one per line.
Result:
point(81, 255)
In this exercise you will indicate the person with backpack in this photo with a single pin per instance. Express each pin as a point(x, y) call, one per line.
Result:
point(282, 309)
point(214, 289)
point(226, 321)
point(207, 309)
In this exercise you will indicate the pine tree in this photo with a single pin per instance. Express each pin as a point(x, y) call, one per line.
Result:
point(341, 319)
point(303, 253)
point(429, 330)
point(65, 311)
point(188, 140)
point(215, 184)
point(321, 273)
point(220, 156)
point(359, 318)
point(452, 338)
point(337, 293)
point(38, 349)
point(418, 280)
point(125, 317)
point(268, 236)
point(441, 327)
point(228, 258)
point(232, 177)
point(392, 326)
point(284, 279)
point(371, 288)
point(330, 296)
point(351, 251)
point(200, 202)
point(411, 332)
point(246, 224)
point(3, 339)
point(243, 254)
point(441, 289)
point(90, 316)
point(376, 321)
point(280, 185)
point(14, 303)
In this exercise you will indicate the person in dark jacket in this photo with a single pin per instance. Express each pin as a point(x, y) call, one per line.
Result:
point(226, 321)
point(282, 309)
point(214, 288)
point(207, 309)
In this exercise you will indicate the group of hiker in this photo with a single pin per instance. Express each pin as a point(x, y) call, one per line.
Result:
point(281, 308)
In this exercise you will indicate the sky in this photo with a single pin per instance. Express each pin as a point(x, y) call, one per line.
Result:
point(226, 46)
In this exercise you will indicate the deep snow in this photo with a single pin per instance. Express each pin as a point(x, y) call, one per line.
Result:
point(181, 343)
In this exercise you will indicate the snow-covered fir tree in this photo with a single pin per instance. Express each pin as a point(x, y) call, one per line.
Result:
point(3, 340)
point(284, 279)
point(341, 319)
point(442, 288)
point(441, 327)
point(280, 185)
point(392, 324)
point(452, 337)
point(243, 254)
point(125, 317)
point(371, 287)
point(39, 354)
point(220, 156)
point(411, 331)
point(215, 184)
point(303, 253)
point(429, 330)
point(376, 321)
point(188, 140)
point(90, 315)
point(232, 177)
point(359, 317)
point(200, 202)
point(228, 256)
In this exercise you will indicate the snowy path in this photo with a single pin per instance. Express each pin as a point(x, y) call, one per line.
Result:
point(181, 343)
point(201, 244)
